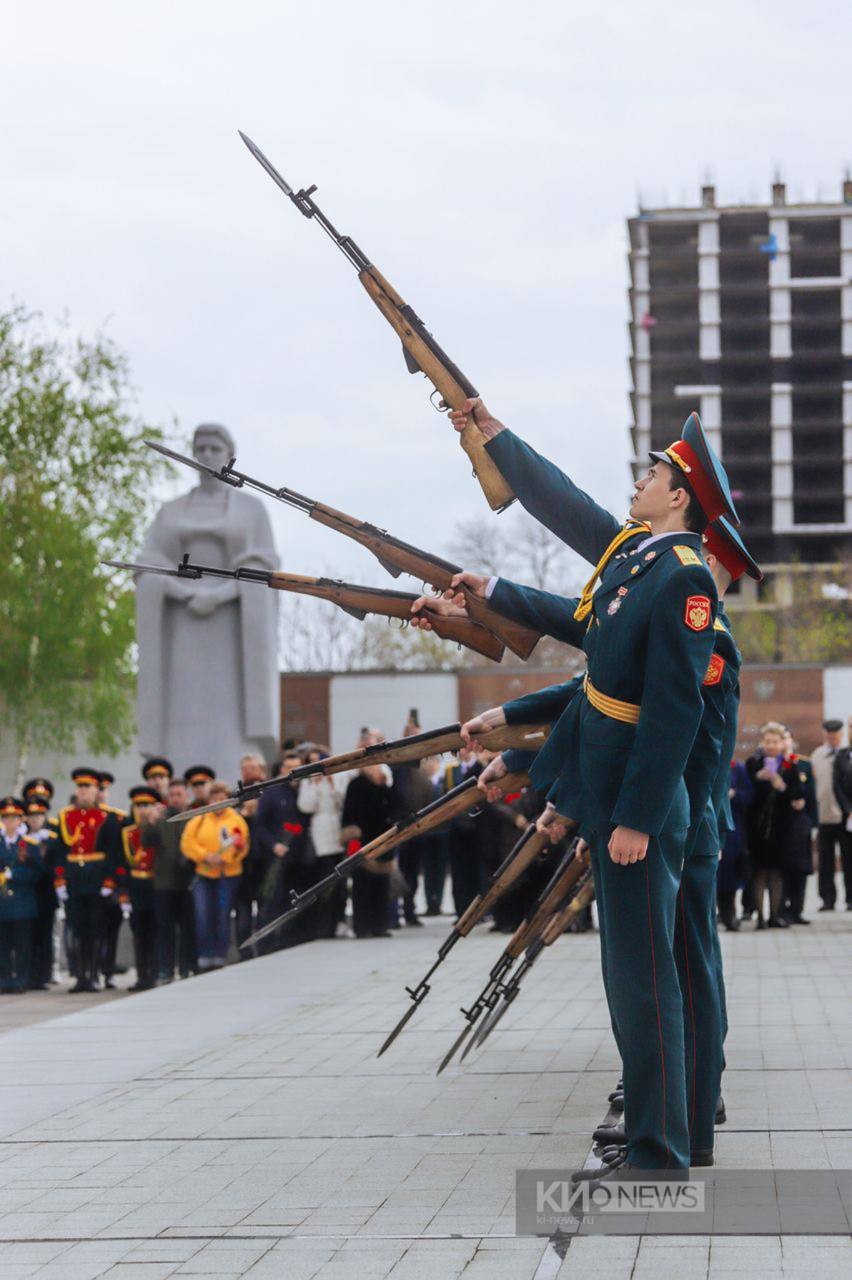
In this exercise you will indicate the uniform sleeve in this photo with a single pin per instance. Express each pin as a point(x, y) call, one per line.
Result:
point(544, 611)
point(554, 500)
point(672, 704)
point(545, 706)
point(701, 774)
point(516, 759)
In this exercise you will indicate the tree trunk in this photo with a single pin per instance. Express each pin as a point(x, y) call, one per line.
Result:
point(25, 738)
point(25, 742)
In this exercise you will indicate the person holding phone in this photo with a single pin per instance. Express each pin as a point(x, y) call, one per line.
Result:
point(771, 817)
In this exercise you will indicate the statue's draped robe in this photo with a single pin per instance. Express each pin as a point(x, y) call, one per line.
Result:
point(208, 686)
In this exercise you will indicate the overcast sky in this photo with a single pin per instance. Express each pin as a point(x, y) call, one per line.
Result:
point(484, 155)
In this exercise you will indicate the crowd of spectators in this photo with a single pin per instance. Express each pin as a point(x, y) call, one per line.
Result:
point(791, 815)
point(192, 891)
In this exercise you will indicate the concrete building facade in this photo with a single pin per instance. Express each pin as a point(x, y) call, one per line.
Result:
point(745, 314)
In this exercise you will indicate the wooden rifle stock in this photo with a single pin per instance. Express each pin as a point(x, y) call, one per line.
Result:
point(550, 901)
point(456, 802)
point(522, 856)
point(558, 923)
point(432, 743)
point(399, 557)
point(359, 601)
point(447, 381)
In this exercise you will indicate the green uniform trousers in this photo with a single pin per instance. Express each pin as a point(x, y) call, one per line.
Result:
point(696, 951)
point(637, 907)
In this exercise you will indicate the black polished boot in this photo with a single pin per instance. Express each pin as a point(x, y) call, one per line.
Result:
point(610, 1133)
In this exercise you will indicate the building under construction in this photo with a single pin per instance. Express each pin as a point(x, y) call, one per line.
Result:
point(744, 313)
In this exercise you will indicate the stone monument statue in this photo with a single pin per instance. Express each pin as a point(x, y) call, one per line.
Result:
point(208, 671)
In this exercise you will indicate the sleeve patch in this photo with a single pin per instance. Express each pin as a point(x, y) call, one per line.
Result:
point(686, 555)
point(697, 613)
point(715, 670)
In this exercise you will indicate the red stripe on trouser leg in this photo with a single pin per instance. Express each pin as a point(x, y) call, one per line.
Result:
point(657, 1006)
point(691, 1008)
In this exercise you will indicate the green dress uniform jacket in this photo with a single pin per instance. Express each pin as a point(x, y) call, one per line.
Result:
point(662, 603)
point(676, 1098)
point(20, 871)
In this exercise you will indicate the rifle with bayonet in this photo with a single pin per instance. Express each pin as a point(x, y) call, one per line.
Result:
point(552, 897)
point(433, 742)
point(392, 554)
point(422, 353)
point(510, 871)
point(553, 929)
point(355, 600)
point(460, 800)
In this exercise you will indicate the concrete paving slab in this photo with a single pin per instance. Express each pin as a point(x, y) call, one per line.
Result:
point(240, 1124)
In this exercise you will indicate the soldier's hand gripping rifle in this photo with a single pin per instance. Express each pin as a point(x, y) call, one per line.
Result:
point(392, 554)
point(355, 600)
point(582, 894)
point(421, 351)
point(460, 800)
point(507, 874)
point(433, 742)
point(552, 896)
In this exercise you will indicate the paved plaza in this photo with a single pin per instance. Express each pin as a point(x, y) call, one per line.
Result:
point(239, 1124)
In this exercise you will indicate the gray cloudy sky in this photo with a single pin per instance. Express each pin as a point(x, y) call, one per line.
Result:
point(485, 155)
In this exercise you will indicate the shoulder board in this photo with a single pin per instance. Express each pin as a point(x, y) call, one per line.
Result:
point(718, 625)
point(31, 840)
point(110, 808)
point(686, 555)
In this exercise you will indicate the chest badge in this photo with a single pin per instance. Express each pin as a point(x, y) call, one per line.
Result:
point(650, 555)
point(614, 605)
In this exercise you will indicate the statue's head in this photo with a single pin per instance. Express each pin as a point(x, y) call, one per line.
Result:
point(213, 445)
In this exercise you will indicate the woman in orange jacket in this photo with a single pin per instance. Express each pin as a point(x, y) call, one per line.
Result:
point(217, 843)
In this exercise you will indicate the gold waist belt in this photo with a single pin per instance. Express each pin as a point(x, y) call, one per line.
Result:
point(142, 875)
point(86, 857)
point(627, 712)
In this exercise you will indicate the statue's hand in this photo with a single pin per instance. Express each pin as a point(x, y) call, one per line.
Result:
point(206, 600)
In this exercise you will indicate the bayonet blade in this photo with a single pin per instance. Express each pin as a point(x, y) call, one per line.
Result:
point(457, 1043)
point(267, 165)
point(492, 1022)
point(409, 1013)
point(151, 568)
point(187, 814)
point(224, 474)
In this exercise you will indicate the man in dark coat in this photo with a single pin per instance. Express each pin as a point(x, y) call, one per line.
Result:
point(20, 872)
point(286, 858)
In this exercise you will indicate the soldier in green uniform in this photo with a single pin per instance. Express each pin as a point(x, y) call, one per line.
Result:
point(20, 871)
point(41, 789)
point(87, 848)
point(158, 773)
point(139, 868)
point(198, 778)
point(110, 909)
point(36, 816)
point(592, 766)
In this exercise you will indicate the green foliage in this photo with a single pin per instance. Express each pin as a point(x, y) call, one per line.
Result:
point(75, 484)
point(812, 623)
